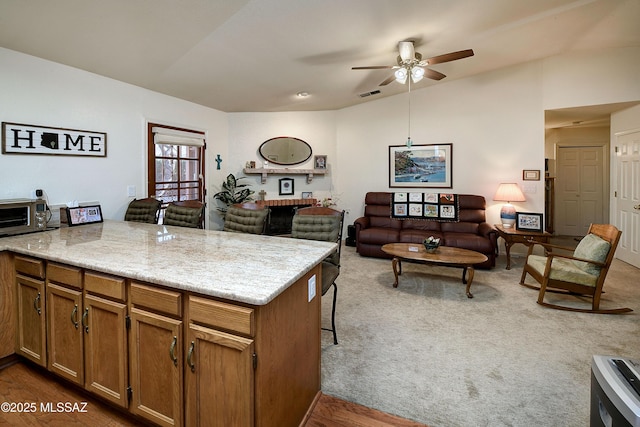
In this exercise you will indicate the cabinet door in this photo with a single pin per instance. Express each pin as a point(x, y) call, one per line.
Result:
point(155, 348)
point(32, 329)
point(64, 333)
point(219, 378)
point(105, 342)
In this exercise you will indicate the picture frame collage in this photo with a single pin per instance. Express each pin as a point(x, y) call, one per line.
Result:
point(429, 206)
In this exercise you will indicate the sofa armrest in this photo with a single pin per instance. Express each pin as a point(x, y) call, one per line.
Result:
point(486, 229)
point(361, 223)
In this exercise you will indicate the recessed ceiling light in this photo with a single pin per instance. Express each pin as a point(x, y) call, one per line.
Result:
point(302, 94)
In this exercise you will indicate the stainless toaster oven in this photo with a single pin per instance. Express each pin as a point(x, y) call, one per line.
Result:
point(19, 216)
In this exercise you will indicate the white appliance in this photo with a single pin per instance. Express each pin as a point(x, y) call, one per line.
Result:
point(615, 392)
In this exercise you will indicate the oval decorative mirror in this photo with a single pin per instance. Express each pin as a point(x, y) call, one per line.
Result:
point(285, 150)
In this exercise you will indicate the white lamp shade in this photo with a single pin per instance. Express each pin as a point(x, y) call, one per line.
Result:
point(401, 75)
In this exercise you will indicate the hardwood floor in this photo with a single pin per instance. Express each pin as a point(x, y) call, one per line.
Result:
point(23, 384)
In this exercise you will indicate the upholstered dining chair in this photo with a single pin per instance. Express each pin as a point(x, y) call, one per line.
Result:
point(143, 210)
point(187, 213)
point(246, 218)
point(577, 272)
point(325, 224)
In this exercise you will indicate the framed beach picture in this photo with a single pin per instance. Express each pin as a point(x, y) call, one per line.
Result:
point(424, 166)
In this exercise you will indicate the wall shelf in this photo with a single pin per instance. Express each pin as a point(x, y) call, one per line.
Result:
point(266, 172)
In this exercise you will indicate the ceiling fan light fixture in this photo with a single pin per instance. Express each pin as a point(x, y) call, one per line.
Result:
point(417, 74)
point(401, 75)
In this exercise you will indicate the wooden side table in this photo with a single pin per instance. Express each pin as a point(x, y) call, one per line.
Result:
point(512, 236)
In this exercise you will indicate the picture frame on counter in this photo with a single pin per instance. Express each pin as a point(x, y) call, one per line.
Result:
point(307, 195)
point(285, 186)
point(527, 221)
point(84, 215)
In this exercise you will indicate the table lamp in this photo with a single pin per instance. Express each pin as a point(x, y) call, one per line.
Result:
point(508, 192)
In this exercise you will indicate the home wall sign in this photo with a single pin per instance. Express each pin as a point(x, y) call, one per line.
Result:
point(33, 139)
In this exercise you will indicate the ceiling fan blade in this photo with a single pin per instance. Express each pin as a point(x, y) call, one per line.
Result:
point(407, 52)
point(433, 74)
point(374, 67)
point(451, 56)
point(388, 80)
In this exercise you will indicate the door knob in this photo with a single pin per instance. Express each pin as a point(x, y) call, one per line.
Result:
point(637, 207)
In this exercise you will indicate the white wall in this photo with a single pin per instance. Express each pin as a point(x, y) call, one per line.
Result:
point(39, 92)
point(495, 122)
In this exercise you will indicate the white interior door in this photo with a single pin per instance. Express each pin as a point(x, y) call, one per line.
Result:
point(580, 189)
point(627, 196)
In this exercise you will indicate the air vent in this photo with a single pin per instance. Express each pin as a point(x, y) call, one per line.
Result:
point(373, 92)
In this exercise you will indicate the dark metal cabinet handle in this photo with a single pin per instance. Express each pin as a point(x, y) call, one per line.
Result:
point(74, 316)
point(190, 357)
point(172, 350)
point(36, 304)
point(85, 324)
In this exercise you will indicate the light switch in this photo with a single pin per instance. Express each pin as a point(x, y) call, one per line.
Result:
point(131, 191)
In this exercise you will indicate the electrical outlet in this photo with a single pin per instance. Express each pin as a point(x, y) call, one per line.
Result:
point(312, 287)
point(131, 191)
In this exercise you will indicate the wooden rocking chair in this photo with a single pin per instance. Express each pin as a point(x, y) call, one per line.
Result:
point(582, 273)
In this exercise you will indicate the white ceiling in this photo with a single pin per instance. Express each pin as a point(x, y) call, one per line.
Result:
point(255, 55)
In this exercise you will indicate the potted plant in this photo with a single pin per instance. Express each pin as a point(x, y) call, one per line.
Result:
point(233, 192)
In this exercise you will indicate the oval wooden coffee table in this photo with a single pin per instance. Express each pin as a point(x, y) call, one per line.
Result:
point(445, 255)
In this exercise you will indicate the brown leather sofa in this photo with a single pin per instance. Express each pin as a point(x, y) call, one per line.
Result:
point(376, 228)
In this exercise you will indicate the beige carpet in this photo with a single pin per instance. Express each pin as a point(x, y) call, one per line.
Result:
point(425, 352)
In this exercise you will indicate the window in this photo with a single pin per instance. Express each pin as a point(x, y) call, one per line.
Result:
point(175, 164)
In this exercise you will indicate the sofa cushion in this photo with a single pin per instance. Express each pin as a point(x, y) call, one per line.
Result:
point(379, 235)
point(594, 248)
point(417, 224)
point(460, 227)
point(471, 241)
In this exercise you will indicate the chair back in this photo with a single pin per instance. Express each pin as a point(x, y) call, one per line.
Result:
point(319, 223)
point(246, 218)
point(187, 213)
point(610, 234)
point(143, 210)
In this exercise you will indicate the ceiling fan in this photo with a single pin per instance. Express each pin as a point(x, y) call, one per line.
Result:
point(410, 63)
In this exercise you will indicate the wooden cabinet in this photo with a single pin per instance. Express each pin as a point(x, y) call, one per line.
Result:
point(220, 364)
point(155, 354)
point(105, 337)
point(31, 322)
point(65, 341)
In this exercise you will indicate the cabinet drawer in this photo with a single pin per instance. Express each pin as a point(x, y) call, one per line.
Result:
point(105, 285)
point(29, 266)
point(162, 300)
point(221, 315)
point(65, 275)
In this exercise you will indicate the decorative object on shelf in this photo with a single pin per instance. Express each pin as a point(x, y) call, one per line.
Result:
point(233, 192)
point(285, 150)
point(327, 202)
point(431, 244)
point(529, 221)
point(286, 186)
point(530, 175)
point(508, 192)
point(33, 139)
point(307, 195)
point(320, 162)
point(427, 166)
point(264, 172)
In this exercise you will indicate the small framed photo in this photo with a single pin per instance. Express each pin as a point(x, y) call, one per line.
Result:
point(285, 186)
point(530, 175)
point(320, 162)
point(527, 221)
point(307, 195)
point(84, 215)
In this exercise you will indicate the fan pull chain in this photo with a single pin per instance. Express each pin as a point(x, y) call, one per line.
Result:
point(409, 142)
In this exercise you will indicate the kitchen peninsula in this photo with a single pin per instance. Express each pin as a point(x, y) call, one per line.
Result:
point(179, 326)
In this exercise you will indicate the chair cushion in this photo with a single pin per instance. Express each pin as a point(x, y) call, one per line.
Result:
point(325, 228)
point(245, 220)
point(182, 216)
point(562, 269)
point(142, 211)
point(594, 248)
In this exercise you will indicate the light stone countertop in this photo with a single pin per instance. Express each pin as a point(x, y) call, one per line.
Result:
point(240, 267)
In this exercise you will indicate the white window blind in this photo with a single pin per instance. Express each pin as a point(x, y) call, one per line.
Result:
point(178, 137)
